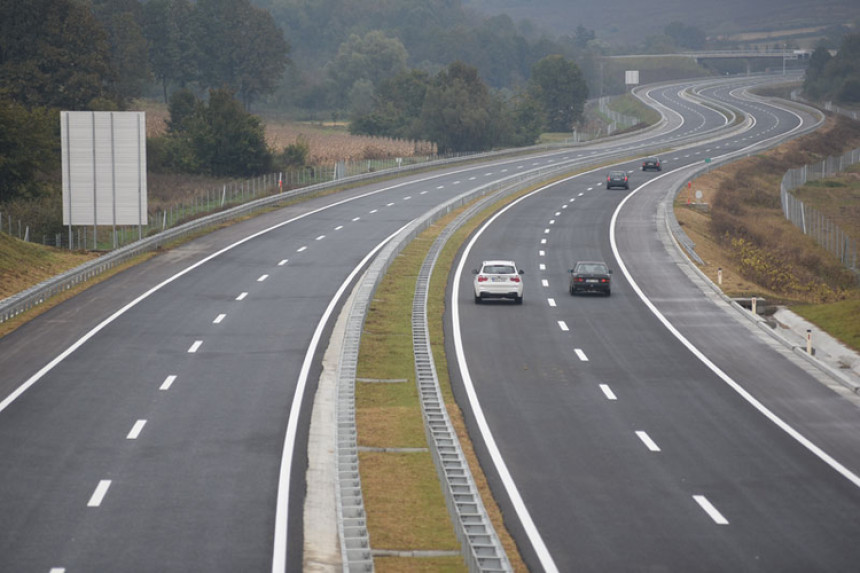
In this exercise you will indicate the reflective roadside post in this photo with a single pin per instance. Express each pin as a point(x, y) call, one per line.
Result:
point(720, 276)
point(809, 341)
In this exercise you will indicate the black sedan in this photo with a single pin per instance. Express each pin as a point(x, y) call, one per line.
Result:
point(652, 163)
point(590, 276)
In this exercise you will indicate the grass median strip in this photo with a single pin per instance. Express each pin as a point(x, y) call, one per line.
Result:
point(407, 517)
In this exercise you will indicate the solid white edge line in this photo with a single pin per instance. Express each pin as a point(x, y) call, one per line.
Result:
point(510, 486)
point(279, 553)
point(712, 511)
point(646, 439)
point(764, 410)
point(99, 493)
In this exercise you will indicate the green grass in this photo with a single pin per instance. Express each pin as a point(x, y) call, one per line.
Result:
point(839, 319)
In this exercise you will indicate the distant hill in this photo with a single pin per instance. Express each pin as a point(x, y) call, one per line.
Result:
point(628, 22)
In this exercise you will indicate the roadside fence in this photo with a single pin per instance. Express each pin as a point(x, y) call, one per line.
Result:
point(812, 222)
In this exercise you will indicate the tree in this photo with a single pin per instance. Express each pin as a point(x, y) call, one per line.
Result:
point(558, 85)
point(241, 47)
point(53, 53)
point(122, 21)
point(456, 113)
point(173, 55)
point(29, 148)
point(372, 58)
point(223, 139)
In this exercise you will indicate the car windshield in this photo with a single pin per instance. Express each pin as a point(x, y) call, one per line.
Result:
point(591, 268)
point(499, 270)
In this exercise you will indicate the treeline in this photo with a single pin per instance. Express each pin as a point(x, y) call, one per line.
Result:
point(835, 78)
point(395, 68)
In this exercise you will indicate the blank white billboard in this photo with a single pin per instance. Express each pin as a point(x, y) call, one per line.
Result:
point(104, 167)
point(631, 77)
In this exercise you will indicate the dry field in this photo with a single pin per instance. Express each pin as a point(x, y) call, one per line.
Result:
point(746, 235)
point(329, 142)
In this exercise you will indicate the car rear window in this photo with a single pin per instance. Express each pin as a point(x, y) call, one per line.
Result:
point(499, 270)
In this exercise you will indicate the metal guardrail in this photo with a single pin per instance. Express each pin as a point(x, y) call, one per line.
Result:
point(480, 545)
point(38, 294)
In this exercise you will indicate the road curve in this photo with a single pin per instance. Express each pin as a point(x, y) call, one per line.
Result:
point(652, 429)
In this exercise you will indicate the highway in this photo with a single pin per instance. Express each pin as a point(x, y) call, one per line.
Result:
point(651, 430)
point(154, 421)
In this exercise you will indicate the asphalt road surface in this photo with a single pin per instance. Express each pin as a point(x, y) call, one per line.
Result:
point(158, 421)
point(651, 430)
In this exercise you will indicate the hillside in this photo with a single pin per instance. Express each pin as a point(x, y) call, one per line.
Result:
point(626, 22)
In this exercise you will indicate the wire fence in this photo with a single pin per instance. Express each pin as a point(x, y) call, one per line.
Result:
point(203, 202)
point(825, 232)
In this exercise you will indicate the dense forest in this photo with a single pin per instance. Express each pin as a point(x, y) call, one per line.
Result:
point(214, 61)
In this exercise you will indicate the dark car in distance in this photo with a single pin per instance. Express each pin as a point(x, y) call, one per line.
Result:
point(650, 163)
point(591, 276)
point(617, 179)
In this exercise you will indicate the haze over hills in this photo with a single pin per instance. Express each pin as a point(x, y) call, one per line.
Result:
point(628, 22)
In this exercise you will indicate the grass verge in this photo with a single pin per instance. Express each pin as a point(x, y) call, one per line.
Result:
point(403, 497)
point(742, 231)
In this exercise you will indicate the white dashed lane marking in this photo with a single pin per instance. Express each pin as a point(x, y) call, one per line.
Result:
point(195, 347)
point(580, 354)
point(711, 510)
point(168, 382)
point(563, 326)
point(283, 262)
point(99, 494)
point(301, 249)
point(242, 296)
point(219, 319)
point(544, 283)
point(135, 430)
point(646, 439)
point(607, 391)
point(262, 278)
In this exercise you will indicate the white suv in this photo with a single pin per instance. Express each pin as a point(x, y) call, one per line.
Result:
point(498, 279)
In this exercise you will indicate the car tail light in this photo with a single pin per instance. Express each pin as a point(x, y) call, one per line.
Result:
point(515, 279)
point(481, 278)
point(579, 280)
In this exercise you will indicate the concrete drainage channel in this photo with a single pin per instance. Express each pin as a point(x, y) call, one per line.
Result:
point(480, 544)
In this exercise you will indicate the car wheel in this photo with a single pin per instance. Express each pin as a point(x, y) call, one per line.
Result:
point(608, 292)
point(518, 300)
point(477, 299)
point(572, 291)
